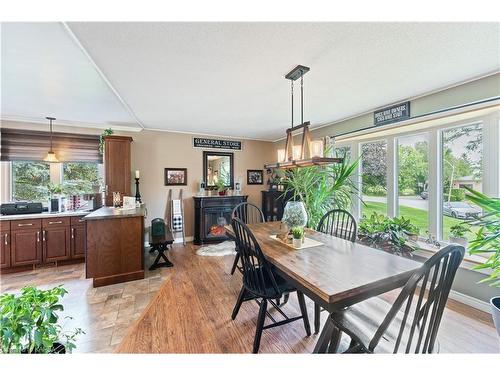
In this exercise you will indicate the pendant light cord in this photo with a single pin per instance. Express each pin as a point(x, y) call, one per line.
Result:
point(50, 135)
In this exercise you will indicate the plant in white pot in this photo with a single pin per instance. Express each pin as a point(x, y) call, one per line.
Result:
point(458, 234)
point(298, 236)
point(487, 242)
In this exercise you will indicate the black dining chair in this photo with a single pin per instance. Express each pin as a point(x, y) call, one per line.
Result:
point(250, 214)
point(338, 223)
point(261, 282)
point(411, 324)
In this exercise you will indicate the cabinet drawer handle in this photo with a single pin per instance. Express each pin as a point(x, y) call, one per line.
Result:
point(38, 236)
point(55, 222)
point(25, 225)
point(43, 233)
point(6, 237)
point(72, 232)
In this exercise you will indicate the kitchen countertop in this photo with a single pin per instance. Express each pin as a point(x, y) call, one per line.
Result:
point(43, 215)
point(111, 212)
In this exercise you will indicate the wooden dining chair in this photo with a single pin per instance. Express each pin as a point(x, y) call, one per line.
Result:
point(411, 324)
point(261, 282)
point(250, 214)
point(338, 223)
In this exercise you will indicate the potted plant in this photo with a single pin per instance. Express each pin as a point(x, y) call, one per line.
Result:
point(298, 236)
point(457, 234)
point(321, 188)
point(105, 133)
point(487, 241)
point(29, 322)
point(389, 234)
point(221, 187)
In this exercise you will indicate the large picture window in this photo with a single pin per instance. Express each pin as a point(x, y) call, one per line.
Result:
point(30, 180)
point(80, 178)
point(413, 180)
point(374, 177)
point(462, 166)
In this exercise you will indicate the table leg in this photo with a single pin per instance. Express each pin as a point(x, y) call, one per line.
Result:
point(161, 255)
point(324, 337)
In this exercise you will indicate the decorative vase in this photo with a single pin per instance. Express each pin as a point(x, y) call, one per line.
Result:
point(295, 214)
point(222, 192)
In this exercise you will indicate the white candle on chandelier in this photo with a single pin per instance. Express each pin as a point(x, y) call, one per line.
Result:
point(281, 155)
point(317, 148)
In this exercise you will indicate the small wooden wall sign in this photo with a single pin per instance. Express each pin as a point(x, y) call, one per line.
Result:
point(217, 143)
point(394, 113)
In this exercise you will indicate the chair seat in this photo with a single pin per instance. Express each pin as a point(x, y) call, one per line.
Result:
point(361, 321)
point(283, 286)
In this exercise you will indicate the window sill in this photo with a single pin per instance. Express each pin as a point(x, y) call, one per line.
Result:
point(426, 250)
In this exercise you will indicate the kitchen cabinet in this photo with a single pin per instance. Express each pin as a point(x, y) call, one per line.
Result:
point(78, 241)
point(5, 249)
point(26, 247)
point(117, 166)
point(56, 243)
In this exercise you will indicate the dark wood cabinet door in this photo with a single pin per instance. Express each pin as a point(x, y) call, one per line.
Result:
point(117, 166)
point(5, 249)
point(56, 243)
point(78, 241)
point(26, 247)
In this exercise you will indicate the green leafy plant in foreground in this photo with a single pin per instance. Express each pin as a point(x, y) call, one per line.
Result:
point(29, 322)
point(487, 239)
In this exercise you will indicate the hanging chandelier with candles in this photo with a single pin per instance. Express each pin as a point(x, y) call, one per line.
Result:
point(308, 153)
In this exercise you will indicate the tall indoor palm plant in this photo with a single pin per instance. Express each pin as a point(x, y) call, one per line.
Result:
point(322, 188)
point(487, 242)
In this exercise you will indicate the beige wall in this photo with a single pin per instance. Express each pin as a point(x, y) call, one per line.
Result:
point(152, 151)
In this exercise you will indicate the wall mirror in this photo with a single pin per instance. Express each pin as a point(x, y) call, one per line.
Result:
point(218, 166)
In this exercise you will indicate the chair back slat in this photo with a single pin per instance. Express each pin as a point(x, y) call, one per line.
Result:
point(339, 223)
point(248, 213)
point(257, 272)
point(431, 284)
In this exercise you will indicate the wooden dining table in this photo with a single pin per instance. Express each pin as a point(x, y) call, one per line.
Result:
point(336, 274)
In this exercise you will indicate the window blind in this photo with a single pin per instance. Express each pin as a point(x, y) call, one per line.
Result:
point(17, 144)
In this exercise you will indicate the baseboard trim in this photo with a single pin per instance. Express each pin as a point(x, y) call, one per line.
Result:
point(470, 301)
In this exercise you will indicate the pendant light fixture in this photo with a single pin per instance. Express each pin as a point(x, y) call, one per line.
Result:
point(51, 156)
point(291, 158)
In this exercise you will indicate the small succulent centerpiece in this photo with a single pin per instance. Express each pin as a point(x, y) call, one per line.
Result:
point(29, 322)
point(393, 235)
point(298, 236)
point(458, 234)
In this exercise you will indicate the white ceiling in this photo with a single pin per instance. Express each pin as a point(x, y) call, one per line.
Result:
point(228, 78)
point(45, 73)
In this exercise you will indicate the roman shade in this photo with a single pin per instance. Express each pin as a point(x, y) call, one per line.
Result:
point(17, 144)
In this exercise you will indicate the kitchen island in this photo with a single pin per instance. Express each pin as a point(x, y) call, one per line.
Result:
point(115, 245)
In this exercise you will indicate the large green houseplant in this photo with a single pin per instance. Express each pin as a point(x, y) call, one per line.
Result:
point(487, 242)
point(322, 188)
point(29, 322)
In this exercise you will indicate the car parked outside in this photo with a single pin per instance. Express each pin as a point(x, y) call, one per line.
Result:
point(461, 210)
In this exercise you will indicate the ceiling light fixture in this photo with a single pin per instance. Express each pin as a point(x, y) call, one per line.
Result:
point(51, 155)
point(308, 157)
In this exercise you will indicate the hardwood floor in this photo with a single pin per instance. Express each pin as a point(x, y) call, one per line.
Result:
point(192, 314)
point(187, 309)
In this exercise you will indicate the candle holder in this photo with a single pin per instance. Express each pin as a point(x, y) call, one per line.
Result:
point(137, 194)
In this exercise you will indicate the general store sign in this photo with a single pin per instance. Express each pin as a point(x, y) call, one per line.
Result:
point(217, 143)
point(394, 113)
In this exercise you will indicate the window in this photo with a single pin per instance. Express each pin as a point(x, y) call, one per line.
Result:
point(80, 178)
point(343, 152)
point(462, 165)
point(374, 177)
point(413, 174)
point(30, 180)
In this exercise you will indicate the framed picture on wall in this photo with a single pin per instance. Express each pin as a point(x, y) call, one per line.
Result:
point(255, 177)
point(175, 176)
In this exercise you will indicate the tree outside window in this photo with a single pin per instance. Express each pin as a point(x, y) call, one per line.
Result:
point(80, 178)
point(30, 180)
